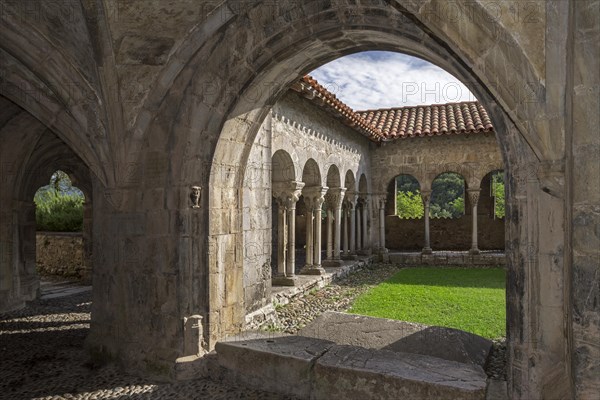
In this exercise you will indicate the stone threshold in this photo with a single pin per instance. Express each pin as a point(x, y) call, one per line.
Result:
point(282, 295)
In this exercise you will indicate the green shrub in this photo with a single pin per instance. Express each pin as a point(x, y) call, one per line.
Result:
point(59, 205)
point(59, 212)
point(409, 205)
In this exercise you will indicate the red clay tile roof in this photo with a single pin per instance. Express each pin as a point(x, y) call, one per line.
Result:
point(442, 119)
point(324, 98)
point(401, 122)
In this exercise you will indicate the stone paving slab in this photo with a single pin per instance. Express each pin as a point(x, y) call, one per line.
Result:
point(351, 372)
point(400, 336)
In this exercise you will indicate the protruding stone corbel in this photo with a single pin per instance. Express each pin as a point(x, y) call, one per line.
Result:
point(195, 196)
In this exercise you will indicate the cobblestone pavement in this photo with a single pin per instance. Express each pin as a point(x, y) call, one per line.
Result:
point(42, 357)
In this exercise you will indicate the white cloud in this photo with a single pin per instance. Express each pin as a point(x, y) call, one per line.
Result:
point(377, 79)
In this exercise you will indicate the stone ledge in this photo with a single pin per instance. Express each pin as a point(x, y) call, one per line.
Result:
point(319, 369)
point(278, 364)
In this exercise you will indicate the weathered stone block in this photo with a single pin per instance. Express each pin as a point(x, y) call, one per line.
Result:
point(357, 373)
point(280, 365)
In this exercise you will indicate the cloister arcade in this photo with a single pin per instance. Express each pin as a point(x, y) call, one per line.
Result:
point(327, 193)
point(200, 102)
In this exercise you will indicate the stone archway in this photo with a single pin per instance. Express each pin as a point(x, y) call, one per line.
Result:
point(519, 155)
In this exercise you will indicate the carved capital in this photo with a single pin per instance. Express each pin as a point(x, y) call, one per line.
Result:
point(351, 198)
point(381, 199)
point(473, 196)
point(426, 197)
point(287, 193)
point(334, 198)
point(315, 196)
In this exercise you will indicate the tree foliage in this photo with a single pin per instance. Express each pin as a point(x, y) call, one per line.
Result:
point(447, 196)
point(409, 205)
point(59, 205)
point(498, 193)
point(408, 198)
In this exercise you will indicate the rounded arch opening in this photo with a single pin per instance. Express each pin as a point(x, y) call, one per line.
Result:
point(406, 192)
point(311, 174)
point(333, 177)
point(361, 39)
point(448, 196)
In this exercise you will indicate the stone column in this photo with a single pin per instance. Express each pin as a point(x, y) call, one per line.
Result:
point(316, 196)
point(287, 194)
point(309, 232)
point(358, 226)
point(352, 211)
point(365, 230)
point(281, 236)
point(381, 200)
point(426, 197)
point(366, 239)
point(345, 211)
point(474, 199)
point(334, 199)
point(329, 251)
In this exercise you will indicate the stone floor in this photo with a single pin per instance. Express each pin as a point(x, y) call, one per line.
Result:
point(42, 357)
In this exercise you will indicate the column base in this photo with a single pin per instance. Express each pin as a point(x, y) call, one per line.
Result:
point(384, 255)
point(427, 250)
point(474, 252)
point(313, 270)
point(283, 281)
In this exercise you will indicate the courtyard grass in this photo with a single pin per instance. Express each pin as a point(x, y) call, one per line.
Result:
point(472, 300)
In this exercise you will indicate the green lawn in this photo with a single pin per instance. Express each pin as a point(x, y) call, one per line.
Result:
point(472, 300)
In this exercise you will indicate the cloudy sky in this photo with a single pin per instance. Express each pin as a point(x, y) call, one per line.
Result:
point(378, 79)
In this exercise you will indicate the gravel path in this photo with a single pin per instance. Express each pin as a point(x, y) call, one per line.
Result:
point(42, 357)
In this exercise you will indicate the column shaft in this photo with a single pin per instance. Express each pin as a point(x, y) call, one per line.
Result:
point(352, 230)
point(365, 236)
point(474, 200)
point(291, 242)
point(317, 242)
point(426, 197)
point(358, 229)
point(345, 230)
point(329, 233)
point(309, 234)
point(281, 234)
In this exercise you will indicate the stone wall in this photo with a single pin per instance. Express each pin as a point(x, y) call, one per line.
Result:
point(445, 233)
point(305, 132)
point(59, 253)
point(473, 156)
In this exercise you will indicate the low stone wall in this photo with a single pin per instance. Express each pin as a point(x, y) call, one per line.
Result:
point(59, 253)
point(446, 234)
